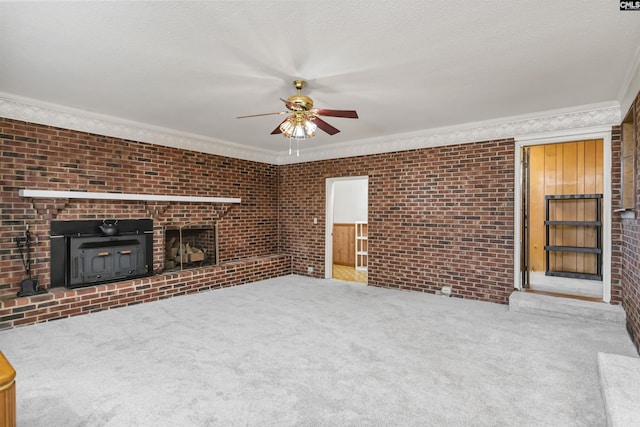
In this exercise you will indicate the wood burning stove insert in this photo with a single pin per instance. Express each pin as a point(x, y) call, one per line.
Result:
point(82, 255)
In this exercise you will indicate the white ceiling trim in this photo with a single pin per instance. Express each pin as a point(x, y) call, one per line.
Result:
point(584, 117)
point(28, 110)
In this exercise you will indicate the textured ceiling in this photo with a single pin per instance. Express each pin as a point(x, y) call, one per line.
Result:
point(405, 66)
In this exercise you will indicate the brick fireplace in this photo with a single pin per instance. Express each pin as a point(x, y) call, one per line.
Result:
point(83, 255)
point(52, 159)
point(190, 246)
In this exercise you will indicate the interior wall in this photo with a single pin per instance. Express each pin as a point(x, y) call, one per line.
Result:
point(42, 157)
point(350, 201)
point(440, 216)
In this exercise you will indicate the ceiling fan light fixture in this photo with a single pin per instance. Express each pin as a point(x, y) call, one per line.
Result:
point(304, 119)
point(298, 127)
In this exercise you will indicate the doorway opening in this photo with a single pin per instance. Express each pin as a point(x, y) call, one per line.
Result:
point(562, 221)
point(346, 243)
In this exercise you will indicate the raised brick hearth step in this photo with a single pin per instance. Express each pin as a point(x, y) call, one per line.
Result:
point(59, 303)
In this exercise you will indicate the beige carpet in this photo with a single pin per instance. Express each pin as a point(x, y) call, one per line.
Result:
point(295, 351)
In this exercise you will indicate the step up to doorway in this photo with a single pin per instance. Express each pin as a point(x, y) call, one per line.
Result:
point(568, 308)
point(619, 384)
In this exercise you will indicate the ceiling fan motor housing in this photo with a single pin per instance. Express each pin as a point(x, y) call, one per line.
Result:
point(304, 102)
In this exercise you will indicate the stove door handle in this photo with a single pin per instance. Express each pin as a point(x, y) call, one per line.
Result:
point(103, 253)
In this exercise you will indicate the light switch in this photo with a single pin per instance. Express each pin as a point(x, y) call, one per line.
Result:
point(315, 220)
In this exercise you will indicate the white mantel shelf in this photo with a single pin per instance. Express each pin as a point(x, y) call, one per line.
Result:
point(52, 194)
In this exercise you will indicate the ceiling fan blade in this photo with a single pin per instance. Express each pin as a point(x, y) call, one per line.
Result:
point(325, 126)
point(277, 130)
point(347, 114)
point(265, 114)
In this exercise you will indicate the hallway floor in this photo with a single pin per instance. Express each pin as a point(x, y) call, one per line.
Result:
point(349, 273)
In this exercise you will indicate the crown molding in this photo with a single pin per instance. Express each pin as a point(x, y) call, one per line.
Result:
point(29, 110)
point(631, 85)
point(574, 119)
point(582, 117)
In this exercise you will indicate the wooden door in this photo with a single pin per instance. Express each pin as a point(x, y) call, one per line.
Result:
point(344, 244)
point(561, 169)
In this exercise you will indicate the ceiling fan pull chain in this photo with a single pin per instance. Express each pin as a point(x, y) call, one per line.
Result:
point(289, 146)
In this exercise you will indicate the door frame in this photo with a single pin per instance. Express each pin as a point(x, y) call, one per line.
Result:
point(328, 237)
point(601, 132)
point(525, 217)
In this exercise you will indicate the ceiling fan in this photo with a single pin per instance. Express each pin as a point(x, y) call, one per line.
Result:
point(303, 119)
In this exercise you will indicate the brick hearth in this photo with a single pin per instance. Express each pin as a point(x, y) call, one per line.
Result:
point(60, 303)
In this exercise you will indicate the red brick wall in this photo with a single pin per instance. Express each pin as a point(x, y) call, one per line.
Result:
point(438, 216)
point(42, 157)
point(631, 251)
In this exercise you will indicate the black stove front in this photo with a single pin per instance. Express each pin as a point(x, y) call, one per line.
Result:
point(81, 255)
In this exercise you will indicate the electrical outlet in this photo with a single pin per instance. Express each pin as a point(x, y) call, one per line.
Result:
point(446, 291)
point(310, 269)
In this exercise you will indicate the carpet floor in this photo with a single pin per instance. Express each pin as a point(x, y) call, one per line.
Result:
point(296, 351)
